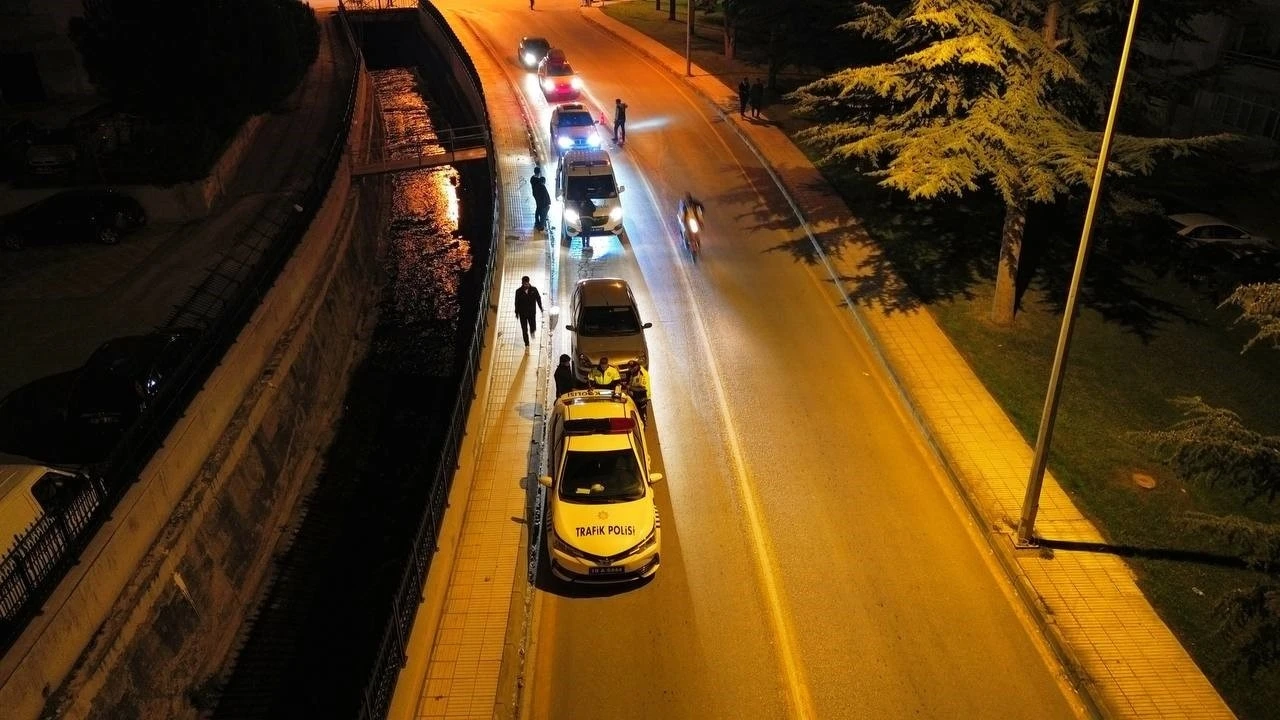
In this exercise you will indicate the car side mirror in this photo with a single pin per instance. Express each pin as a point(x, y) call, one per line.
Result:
point(653, 478)
point(544, 481)
point(621, 188)
point(570, 328)
point(646, 326)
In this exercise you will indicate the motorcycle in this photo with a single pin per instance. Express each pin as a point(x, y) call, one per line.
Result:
point(691, 222)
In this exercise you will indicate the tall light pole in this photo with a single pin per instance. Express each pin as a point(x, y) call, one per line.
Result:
point(1031, 503)
point(688, 39)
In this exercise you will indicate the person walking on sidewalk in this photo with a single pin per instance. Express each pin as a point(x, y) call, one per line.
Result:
point(565, 381)
point(528, 303)
point(757, 97)
point(744, 96)
point(541, 199)
point(619, 121)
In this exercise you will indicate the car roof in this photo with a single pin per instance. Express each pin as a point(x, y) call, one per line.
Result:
point(570, 107)
point(535, 39)
point(13, 476)
point(1198, 219)
point(605, 292)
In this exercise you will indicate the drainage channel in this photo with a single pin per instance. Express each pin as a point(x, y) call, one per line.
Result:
point(309, 650)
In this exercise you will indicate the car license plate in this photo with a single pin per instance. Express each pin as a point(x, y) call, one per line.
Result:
point(612, 570)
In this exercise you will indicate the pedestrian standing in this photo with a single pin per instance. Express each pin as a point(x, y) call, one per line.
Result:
point(619, 121)
point(744, 96)
point(528, 303)
point(565, 381)
point(541, 199)
point(757, 97)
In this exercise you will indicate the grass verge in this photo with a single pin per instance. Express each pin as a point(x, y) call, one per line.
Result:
point(1141, 339)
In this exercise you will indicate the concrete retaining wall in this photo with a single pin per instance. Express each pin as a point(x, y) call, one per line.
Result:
point(148, 614)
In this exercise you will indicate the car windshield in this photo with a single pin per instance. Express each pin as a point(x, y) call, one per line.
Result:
point(562, 70)
point(601, 477)
point(591, 186)
point(605, 321)
point(576, 119)
point(537, 45)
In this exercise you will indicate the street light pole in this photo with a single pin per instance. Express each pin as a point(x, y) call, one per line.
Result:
point(688, 39)
point(1031, 503)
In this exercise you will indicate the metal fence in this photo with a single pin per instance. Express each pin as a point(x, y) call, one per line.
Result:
point(220, 307)
point(391, 655)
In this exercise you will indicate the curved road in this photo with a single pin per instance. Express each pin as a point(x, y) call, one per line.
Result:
point(816, 561)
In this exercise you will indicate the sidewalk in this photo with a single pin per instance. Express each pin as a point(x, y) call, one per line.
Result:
point(1126, 660)
point(459, 639)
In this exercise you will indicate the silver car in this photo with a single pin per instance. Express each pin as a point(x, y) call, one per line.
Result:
point(605, 323)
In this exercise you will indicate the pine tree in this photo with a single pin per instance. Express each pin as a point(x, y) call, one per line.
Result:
point(1211, 445)
point(970, 100)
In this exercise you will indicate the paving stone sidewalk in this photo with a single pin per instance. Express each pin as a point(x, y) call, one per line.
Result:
point(1125, 658)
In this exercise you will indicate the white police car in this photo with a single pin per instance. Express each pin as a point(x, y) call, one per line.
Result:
point(573, 127)
point(602, 521)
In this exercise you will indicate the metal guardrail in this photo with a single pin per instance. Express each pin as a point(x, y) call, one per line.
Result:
point(221, 307)
point(391, 656)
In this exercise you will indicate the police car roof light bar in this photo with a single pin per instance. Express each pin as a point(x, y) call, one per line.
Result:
point(599, 426)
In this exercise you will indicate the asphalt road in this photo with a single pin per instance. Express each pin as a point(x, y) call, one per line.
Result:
point(816, 561)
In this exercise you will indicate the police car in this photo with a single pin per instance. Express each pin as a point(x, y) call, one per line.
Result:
point(602, 520)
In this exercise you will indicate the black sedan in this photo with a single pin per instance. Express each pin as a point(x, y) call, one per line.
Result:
point(531, 51)
point(103, 216)
point(121, 380)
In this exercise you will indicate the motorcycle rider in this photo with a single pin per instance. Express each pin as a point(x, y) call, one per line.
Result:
point(690, 208)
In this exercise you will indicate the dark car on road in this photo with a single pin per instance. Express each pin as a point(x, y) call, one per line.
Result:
point(531, 51)
point(103, 216)
point(121, 380)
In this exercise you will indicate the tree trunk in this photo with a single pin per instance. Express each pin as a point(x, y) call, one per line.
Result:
point(1052, 13)
point(1005, 301)
point(730, 37)
point(671, 10)
point(657, 4)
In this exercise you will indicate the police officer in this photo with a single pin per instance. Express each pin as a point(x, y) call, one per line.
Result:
point(638, 387)
point(604, 376)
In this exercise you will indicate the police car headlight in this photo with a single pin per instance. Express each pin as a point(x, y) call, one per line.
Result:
point(647, 542)
point(576, 83)
point(615, 214)
point(565, 142)
point(593, 140)
point(529, 58)
point(565, 547)
point(571, 215)
point(548, 84)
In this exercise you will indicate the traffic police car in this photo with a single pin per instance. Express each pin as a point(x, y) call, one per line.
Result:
point(602, 523)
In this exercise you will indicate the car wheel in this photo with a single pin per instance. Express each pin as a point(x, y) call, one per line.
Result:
point(108, 236)
point(12, 241)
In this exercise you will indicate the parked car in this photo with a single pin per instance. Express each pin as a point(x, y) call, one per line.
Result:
point(1201, 228)
point(103, 216)
point(1218, 268)
point(122, 378)
point(50, 153)
point(606, 322)
point(531, 51)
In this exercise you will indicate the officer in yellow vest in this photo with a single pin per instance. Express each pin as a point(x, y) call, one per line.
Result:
point(638, 387)
point(604, 376)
